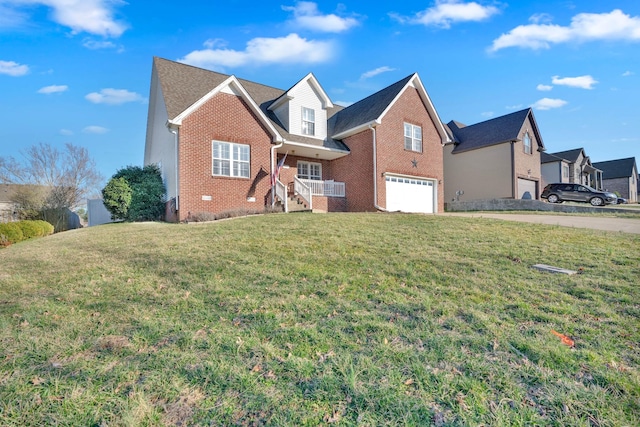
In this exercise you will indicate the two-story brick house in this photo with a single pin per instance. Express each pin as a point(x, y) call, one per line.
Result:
point(219, 140)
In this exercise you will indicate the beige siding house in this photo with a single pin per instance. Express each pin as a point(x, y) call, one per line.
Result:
point(494, 159)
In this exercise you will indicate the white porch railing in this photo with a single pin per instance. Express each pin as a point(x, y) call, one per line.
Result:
point(303, 190)
point(325, 188)
point(281, 193)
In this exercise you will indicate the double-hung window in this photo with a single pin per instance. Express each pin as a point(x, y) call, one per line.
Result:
point(526, 142)
point(231, 159)
point(308, 121)
point(308, 170)
point(412, 137)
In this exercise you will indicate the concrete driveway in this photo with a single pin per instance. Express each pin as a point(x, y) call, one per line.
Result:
point(625, 225)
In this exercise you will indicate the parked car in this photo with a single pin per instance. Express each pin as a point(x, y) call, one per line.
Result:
point(622, 200)
point(561, 192)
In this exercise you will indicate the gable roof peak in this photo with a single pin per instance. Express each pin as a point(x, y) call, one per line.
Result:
point(313, 82)
point(496, 130)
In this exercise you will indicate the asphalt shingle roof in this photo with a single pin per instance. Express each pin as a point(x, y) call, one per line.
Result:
point(495, 131)
point(367, 109)
point(548, 158)
point(182, 85)
point(619, 168)
point(570, 155)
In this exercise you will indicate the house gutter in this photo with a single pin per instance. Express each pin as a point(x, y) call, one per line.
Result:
point(175, 139)
point(375, 170)
point(273, 169)
point(513, 169)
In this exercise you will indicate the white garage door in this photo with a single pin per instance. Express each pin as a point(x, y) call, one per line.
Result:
point(525, 185)
point(409, 194)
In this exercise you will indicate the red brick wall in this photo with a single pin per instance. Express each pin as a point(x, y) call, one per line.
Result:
point(356, 169)
point(227, 118)
point(224, 118)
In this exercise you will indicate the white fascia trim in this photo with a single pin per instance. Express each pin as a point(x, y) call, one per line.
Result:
point(278, 102)
point(231, 81)
point(402, 175)
point(417, 83)
point(355, 130)
point(315, 147)
point(326, 102)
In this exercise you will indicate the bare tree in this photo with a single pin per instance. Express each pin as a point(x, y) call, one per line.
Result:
point(68, 176)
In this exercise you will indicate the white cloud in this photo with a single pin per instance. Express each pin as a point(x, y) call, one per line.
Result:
point(307, 16)
point(13, 68)
point(215, 43)
point(343, 103)
point(95, 44)
point(90, 16)
point(549, 103)
point(53, 89)
point(10, 17)
point(375, 72)
point(95, 130)
point(584, 27)
point(628, 73)
point(114, 97)
point(290, 49)
point(544, 88)
point(66, 132)
point(582, 82)
point(487, 114)
point(541, 18)
point(446, 12)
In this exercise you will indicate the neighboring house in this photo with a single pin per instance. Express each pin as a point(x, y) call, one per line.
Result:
point(219, 139)
point(97, 212)
point(7, 206)
point(620, 176)
point(554, 169)
point(497, 158)
point(572, 166)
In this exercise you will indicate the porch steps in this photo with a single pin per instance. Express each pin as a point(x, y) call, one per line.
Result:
point(297, 205)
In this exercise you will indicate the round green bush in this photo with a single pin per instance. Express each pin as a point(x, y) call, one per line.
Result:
point(47, 228)
point(30, 229)
point(10, 233)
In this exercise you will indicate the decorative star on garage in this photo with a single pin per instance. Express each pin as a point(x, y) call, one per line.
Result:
point(414, 163)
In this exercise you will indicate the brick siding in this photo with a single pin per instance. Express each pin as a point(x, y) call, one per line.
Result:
point(228, 118)
point(225, 118)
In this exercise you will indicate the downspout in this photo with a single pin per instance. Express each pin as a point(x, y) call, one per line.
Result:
point(513, 170)
point(175, 139)
point(375, 170)
point(273, 169)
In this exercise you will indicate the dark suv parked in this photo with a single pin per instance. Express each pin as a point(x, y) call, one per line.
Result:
point(558, 193)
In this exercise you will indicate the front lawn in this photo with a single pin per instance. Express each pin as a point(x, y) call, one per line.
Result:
point(312, 319)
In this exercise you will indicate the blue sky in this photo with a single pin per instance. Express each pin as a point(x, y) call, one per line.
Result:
point(79, 70)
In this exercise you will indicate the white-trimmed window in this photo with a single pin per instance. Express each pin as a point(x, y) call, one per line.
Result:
point(308, 121)
point(412, 137)
point(565, 170)
point(231, 159)
point(308, 170)
point(526, 142)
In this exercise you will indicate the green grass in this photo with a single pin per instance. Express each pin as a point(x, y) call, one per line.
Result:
point(336, 319)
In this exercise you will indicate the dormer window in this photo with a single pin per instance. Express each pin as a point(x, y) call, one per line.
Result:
point(308, 121)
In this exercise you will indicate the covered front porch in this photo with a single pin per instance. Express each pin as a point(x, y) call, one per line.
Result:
point(303, 181)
